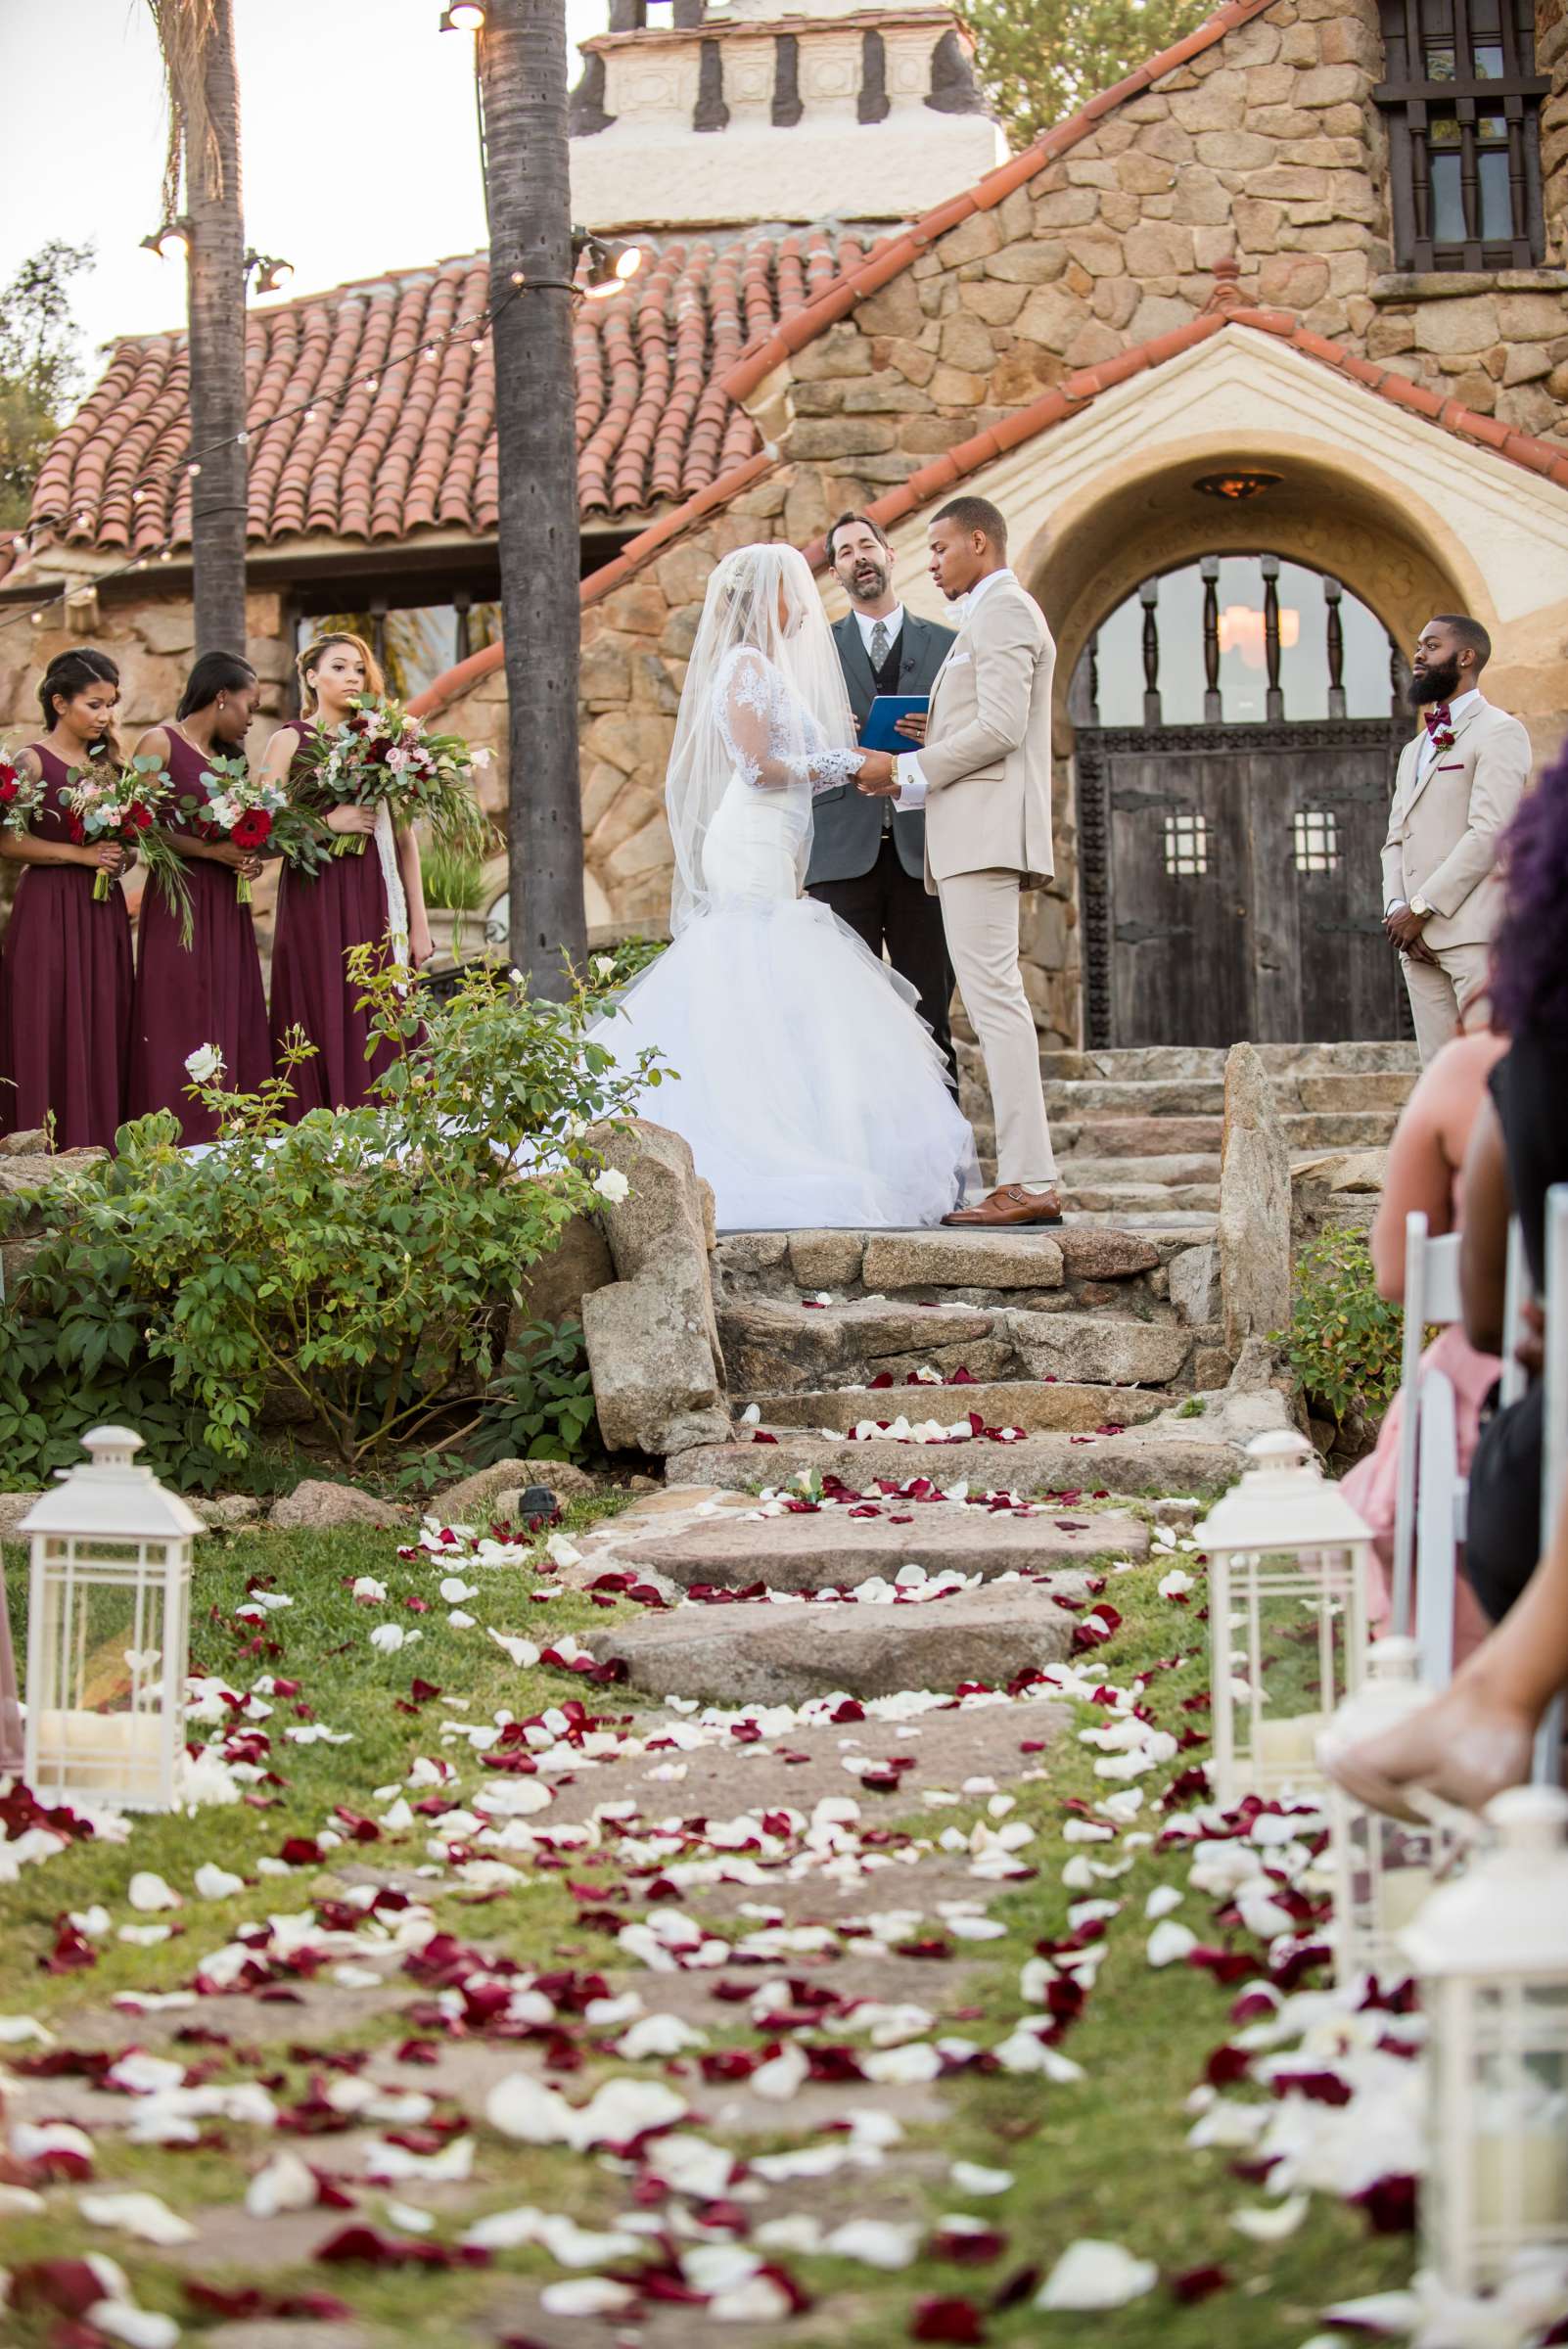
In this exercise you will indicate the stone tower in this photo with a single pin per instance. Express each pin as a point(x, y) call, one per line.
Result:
point(696, 115)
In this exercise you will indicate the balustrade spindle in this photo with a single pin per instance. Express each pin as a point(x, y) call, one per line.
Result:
point(1148, 594)
point(1334, 634)
point(1213, 706)
point(1274, 701)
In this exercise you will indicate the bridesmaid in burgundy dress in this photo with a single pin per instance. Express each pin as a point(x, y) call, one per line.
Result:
point(343, 905)
point(210, 992)
point(65, 1005)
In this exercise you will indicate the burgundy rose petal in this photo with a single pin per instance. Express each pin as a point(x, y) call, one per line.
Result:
point(942, 2318)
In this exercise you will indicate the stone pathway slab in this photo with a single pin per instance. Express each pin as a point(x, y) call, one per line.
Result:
point(761, 1654)
point(831, 1549)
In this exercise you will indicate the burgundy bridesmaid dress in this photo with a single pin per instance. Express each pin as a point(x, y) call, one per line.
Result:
point(319, 919)
point(206, 993)
point(66, 1021)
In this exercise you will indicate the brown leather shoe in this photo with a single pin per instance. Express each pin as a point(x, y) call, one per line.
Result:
point(1009, 1206)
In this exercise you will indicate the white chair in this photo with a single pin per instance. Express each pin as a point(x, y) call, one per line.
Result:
point(1554, 1440)
point(1430, 1498)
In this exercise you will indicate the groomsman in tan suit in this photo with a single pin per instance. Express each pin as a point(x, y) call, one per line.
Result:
point(982, 775)
point(1458, 784)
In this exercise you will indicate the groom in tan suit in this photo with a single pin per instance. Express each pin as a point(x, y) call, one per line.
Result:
point(1458, 785)
point(982, 775)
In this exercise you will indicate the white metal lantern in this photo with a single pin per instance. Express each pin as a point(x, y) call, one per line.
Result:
point(1491, 1951)
point(1383, 1869)
point(1288, 1566)
point(108, 1632)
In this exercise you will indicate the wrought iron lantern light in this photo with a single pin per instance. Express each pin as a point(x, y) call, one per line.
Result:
point(1383, 1869)
point(1491, 1954)
point(108, 1632)
point(463, 16)
point(1288, 1565)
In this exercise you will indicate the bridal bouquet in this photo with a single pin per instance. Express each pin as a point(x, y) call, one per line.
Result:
point(20, 796)
point(123, 803)
point(241, 806)
point(381, 756)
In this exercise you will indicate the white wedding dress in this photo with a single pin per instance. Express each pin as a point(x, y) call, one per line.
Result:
point(810, 1091)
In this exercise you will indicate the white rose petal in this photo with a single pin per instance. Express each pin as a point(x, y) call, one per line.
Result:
point(137, 2327)
point(142, 2215)
point(586, 2296)
point(286, 2184)
point(389, 1637)
point(1271, 2226)
point(1091, 2275)
point(148, 1892)
point(1161, 1901)
point(15, 2028)
point(783, 2076)
point(215, 1883)
point(875, 2242)
point(969, 2178)
point(1171, 1941)
point(367, 1587)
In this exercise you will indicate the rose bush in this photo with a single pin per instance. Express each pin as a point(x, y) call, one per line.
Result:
point(356, 1267)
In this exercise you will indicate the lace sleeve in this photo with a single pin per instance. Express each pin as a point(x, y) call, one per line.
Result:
point(753, 721)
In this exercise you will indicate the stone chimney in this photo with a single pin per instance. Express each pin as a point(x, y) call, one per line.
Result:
point(775, 110)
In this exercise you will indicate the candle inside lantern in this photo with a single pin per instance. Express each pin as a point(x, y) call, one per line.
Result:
point(1521, 2179)
point(1290, 1744)
point(100, 1753)
point(1405, 1890)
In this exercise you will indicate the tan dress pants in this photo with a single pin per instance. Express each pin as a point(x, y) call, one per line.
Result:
point(1437, 990)
point(980, 914)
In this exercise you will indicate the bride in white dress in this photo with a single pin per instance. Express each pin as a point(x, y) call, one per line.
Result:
point(809, 1090)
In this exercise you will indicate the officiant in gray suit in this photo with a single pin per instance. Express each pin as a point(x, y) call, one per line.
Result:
point(867, 860)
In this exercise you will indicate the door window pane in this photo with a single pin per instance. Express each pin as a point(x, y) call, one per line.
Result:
point(1186, 845)
point(1448, 202)
point(1314, 840)
point(1496, 197)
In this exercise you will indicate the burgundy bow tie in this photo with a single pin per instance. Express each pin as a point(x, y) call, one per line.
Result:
point(1439, 714)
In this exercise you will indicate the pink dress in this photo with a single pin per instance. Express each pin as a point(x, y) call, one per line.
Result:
point(65, 1017)
point(209, 992)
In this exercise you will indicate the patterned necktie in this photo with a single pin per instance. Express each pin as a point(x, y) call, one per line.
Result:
point(1438, 715)
point(879, 645)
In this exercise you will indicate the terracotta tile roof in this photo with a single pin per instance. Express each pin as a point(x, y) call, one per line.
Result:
point(599, 583)
point(893, 255)
point(418, 450)
point(1077, 391)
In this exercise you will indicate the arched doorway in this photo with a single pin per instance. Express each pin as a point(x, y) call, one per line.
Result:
point(1236, 721)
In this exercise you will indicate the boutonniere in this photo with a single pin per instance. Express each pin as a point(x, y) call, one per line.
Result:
point(1442, 738)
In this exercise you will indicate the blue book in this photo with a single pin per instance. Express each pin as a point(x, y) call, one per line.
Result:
point(879, 733)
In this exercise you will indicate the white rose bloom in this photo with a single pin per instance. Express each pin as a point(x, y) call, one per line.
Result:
point(611, 1184)
point(205, 1063)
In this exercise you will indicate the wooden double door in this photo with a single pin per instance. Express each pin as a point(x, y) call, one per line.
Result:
point(1232, 886)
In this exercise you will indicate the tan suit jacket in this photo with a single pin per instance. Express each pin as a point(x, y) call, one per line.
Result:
point(1443, 830)
point(986, 756)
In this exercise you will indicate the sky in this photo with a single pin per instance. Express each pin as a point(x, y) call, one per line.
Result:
point(359, 151)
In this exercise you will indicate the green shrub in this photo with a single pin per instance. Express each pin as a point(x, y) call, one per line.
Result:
point(357, 1265)
point(614, 968)
point(540, 1401)
point(1344, 1341)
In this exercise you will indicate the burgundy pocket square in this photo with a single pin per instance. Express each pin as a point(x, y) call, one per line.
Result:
point(1454, 767)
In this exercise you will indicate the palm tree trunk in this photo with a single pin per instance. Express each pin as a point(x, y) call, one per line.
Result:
point(523, 83)
point(197, 37)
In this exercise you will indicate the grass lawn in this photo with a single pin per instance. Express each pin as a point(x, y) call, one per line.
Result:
point(1105, 2156)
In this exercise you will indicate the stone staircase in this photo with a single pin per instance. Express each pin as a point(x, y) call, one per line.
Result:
point(1138, 1132)
point(1098, 1349)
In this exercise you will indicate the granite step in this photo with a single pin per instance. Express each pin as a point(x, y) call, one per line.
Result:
point(773, 1345)
point(1068, 1405)
point(1175, 1063)
point(923, 1263)
point(828, 1548)
point(1169, 1455)
point(757, 1654)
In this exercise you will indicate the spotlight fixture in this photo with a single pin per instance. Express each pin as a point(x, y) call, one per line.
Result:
point(171, 232)
point(463, 16)
point(1237, 486)
point(603, 266)
point(270, 271)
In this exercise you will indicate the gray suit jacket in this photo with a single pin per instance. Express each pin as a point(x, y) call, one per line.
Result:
point(846, 825)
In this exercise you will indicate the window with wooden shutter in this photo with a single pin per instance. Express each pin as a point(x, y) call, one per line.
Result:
point(1462, 104)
